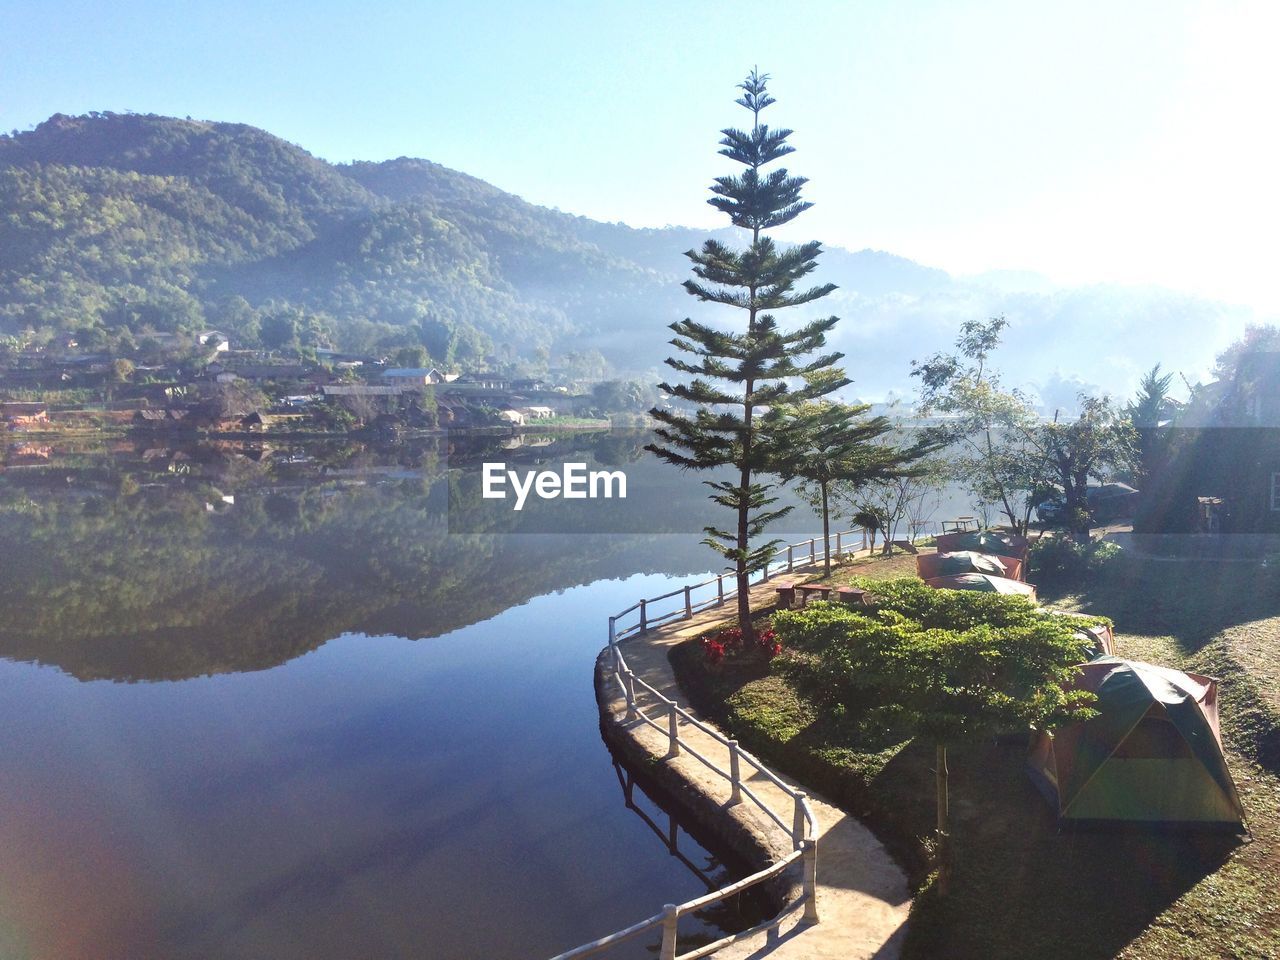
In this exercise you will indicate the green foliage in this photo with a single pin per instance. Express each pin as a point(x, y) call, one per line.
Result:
point(623, 396)
point(413, 357)
point(1057, 560)
point(1099, 441)
point(1005, 454)
point(1151, 413)
point(740, 386)
point(157, 224)
point(987, 426)
point(279, 330)
point(944, 664)
point(834, 448)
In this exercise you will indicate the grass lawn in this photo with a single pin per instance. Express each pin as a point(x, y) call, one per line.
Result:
point(1021, 888)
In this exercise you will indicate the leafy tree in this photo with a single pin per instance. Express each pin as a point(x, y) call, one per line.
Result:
point(1152, 405)
point(279, 330)
point(1258, 338)
point(1099, 441)
point(942, 665)
point(1150, 411)
point(121, 370)
point(414, 357)
point(92, 338)
point(883, 502)
point(150, 349)
point(226, 400)
point(741, 378)
point(987, 425)
point(829, 445)
point(611, 396)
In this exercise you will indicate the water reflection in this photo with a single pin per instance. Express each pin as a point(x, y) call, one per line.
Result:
point(299, 778)
point(739, 912)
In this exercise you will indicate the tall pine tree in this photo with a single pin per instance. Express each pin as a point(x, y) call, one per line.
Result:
point(744, 380)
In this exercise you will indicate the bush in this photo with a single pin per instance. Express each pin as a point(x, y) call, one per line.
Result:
point(1062, 560)
point(728, 642)
point(948, 663)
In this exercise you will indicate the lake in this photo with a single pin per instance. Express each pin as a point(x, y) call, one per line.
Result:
point(321, 702)
point(262, 704)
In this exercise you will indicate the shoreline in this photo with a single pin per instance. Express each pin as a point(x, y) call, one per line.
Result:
point(863, 895)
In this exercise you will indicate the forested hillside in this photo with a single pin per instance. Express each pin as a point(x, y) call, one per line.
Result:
point(151, 223)
point(116, 226)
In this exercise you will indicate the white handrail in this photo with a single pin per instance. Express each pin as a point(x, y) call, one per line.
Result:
point(803, 831)
point(688, 607)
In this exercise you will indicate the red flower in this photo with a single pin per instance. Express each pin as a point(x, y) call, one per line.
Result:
point(713, 650)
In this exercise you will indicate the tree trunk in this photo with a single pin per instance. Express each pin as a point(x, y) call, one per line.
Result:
point(1078, 508)
point(944, 821)
point(744, 602)
point(826, 533)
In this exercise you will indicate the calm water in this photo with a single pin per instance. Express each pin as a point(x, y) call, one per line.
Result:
point(261, 704)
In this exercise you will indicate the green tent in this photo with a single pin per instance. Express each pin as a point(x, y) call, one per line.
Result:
point(983, 583)
point(967, 561)
point(1153, 753)
point(983, 541)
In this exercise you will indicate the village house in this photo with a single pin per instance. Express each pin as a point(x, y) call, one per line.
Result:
point(484, 381)
point(153, 418)
point(529, 385)
point(259, 372)
point(27, 455)
point(217, 337)
point(23, 416)
point(413, 376)
point(362, 390)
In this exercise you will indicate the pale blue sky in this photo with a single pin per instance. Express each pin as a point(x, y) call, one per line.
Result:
point(1089, 141)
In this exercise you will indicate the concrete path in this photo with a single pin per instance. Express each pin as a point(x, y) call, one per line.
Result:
point(863, 899)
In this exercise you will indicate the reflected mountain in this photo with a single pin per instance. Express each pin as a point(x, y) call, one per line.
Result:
point(136, 563)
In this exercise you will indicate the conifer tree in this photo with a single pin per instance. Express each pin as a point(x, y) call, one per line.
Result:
point(826, 444)
point(742, 379)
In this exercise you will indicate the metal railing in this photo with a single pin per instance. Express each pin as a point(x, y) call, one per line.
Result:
point(713, 592)
point(803, 826)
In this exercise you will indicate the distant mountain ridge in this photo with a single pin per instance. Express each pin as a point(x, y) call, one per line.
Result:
point(113, 225)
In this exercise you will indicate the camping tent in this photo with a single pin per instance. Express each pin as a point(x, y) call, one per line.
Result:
point(1152, 754)
point(984, 541)
point(985, 583)
point(1099, 635)
point(930, 565)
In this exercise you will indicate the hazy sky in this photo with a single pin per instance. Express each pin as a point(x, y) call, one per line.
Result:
point(1128, 141)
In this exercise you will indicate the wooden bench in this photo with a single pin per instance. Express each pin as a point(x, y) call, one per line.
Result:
point(786, 595)
point(807, 590)
point(854, 596)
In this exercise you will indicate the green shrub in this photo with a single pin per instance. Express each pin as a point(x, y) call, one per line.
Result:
point(978, 660)
point(1057, 559)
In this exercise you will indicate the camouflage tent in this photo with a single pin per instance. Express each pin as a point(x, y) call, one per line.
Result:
point(984, 541)
point(1152, 754)
point(960, 561)
point(985, 583)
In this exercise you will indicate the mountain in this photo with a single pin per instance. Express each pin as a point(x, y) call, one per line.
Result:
point(116, 226)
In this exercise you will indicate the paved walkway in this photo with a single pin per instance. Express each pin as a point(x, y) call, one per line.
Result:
point(863, 899)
